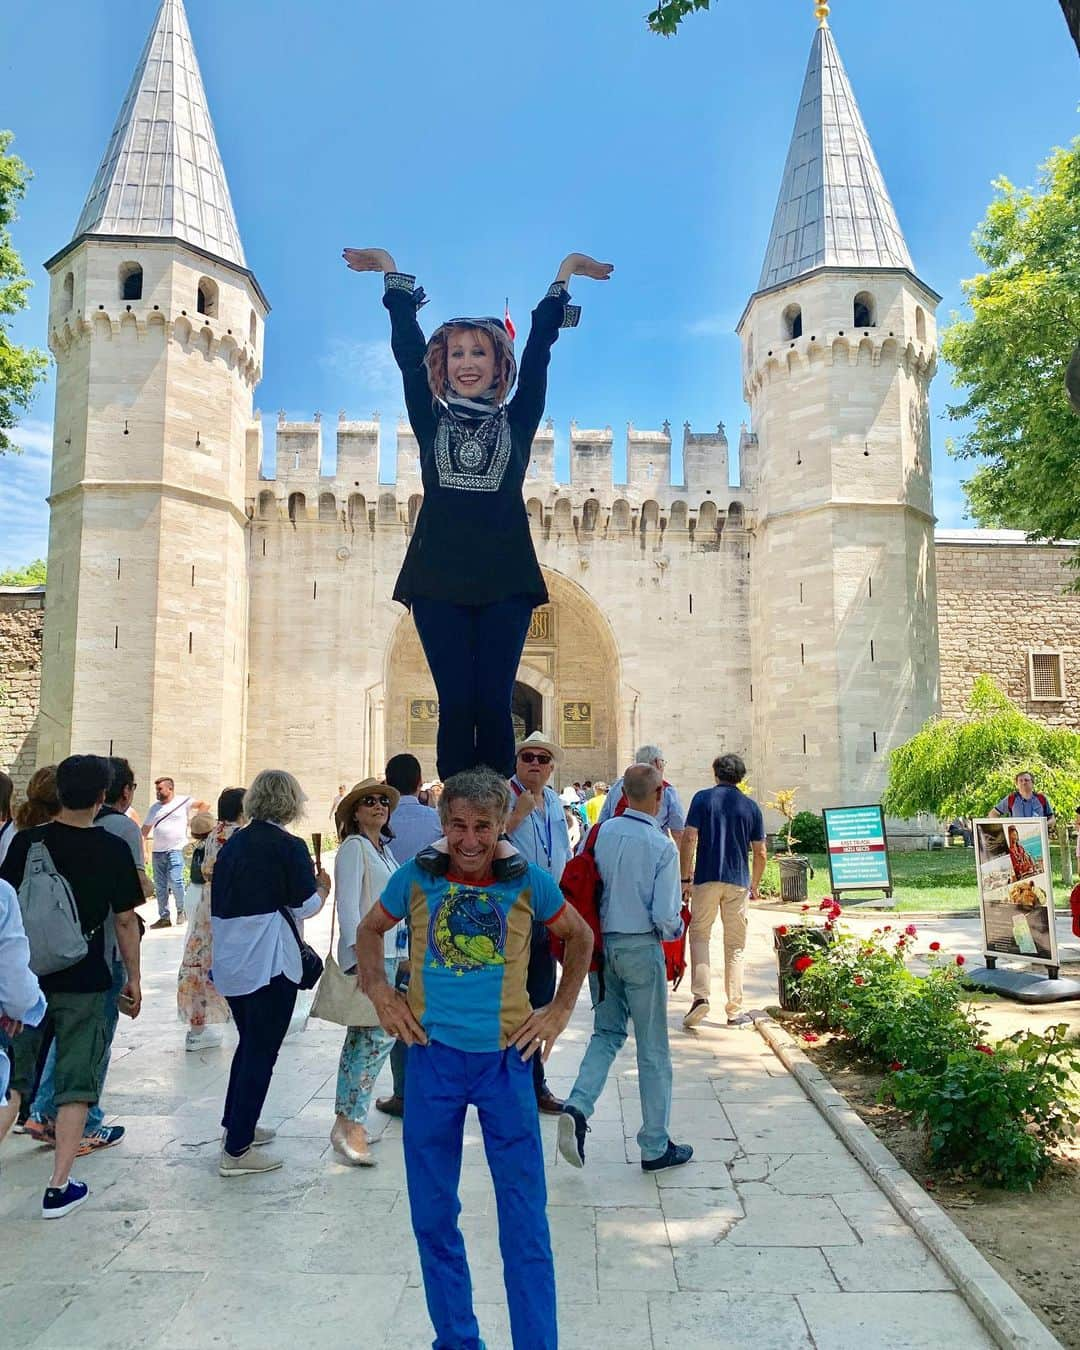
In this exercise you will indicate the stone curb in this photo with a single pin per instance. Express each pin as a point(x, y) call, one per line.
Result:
point(991, 1298)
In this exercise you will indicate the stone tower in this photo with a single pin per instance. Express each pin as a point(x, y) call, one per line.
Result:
point(838, 347)
point(156, 325)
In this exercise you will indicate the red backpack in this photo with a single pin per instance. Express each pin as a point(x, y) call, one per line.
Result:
point(582, 887)
point(1038, 797)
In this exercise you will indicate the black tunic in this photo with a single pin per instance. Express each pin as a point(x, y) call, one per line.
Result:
point(471, 543)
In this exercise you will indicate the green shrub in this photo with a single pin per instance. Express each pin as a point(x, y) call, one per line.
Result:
point(809, 830)
point(997, 1114)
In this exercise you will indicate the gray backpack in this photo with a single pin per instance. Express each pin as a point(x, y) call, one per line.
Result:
point(49, 915)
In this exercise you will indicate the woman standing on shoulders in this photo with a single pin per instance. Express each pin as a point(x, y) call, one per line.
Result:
point(264, 885)
point(470, 575)
point(362, 867)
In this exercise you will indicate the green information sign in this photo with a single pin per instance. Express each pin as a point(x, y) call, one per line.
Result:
point(858, 849)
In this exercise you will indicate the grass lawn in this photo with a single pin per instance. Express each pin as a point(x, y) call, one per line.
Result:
point(944, 880)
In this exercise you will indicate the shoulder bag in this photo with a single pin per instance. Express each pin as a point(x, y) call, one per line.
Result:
point(311, 965)
point(339, 998)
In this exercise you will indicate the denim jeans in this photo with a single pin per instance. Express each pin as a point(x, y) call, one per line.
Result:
point(635, 990)
point(44, 1104)
point(169, 876)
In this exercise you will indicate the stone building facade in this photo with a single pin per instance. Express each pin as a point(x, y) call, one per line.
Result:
point(22, 622)
point(206, 620)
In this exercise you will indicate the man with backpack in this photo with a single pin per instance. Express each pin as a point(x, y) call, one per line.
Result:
point(70, 877)
point(1025, 802)
point(671, 818)
point(639, 907)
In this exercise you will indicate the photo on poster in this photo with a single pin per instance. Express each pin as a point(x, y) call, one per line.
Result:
point(1016, 899)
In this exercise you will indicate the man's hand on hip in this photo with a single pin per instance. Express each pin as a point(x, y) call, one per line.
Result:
point(542, 1029)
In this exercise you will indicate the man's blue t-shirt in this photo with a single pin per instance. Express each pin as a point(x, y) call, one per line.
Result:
point(727, 822)
point(469, 951)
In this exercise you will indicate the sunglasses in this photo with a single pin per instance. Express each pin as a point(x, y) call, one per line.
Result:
point(528, 757)
point(374, 801)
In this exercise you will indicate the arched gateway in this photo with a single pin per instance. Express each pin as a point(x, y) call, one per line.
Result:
point(567, 686)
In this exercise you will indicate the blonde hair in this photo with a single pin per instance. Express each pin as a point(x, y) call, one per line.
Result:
point(435, 358)
point(274, 795)
point(42, 800)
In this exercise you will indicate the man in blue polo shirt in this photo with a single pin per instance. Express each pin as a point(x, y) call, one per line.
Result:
point(723, 824)
point(1025, 802)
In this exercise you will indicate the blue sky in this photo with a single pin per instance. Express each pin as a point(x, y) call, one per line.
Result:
point(481, 140)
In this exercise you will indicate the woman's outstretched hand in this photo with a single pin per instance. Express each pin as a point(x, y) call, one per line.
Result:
point(581, 265)
point(369, 260)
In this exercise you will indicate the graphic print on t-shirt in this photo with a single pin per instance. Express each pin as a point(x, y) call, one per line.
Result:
point(467, 931)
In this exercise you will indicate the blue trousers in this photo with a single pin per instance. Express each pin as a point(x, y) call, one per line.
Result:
point(168, 876)
point(262, 1019)
point(44, 1104)
point(635, 990)
point(440, 1084)
point(473, 653)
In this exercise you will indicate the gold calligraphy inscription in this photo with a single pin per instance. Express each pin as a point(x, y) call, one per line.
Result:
point(577, 725)
point(423, 721)
point(541, 626)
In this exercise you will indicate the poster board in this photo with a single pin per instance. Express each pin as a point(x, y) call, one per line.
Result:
point(1016, 898)
point(858, 849)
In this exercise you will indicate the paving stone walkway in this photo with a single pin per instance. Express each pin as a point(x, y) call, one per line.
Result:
point(773, 1237)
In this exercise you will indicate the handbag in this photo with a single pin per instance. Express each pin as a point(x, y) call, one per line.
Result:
point(311, 964)
point(339, 998)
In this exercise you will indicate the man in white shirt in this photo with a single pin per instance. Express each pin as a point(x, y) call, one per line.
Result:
point(167, 820)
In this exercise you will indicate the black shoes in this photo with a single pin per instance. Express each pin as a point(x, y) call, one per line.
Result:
point(675, 1156)
point(572, 1131)
point(163, 922)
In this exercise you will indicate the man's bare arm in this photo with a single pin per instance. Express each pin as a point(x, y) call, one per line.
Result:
point(395, 1016)
point(758, 865)
point(543, 1028)
point(687, 848)
point(127, 939)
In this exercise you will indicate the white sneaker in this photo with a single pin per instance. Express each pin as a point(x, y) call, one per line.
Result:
point(203, 1038)
point(251, 1161)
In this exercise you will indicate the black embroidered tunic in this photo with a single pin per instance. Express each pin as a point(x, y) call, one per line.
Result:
point(471, 543)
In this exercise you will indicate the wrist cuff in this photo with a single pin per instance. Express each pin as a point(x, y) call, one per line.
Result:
point(398, 281)
point(571, 313)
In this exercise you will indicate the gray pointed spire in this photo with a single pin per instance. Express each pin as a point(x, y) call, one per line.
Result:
point(834, 209)
point(161, 174)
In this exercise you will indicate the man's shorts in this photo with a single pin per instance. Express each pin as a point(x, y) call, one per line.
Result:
point(77, 1021)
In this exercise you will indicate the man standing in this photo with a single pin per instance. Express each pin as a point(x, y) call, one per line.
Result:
point(723, 824)
point(640, 907)
point(167, 819)
point(595, 804)
point(670, 817)
point(102, 879)
point(1025, 802)
point(470, 1032)
point(414, 827)
point(537, 829)
point(341, 789)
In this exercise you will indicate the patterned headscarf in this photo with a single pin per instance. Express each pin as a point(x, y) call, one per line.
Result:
point(484, 404)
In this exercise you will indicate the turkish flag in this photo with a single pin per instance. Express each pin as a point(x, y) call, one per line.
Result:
point(508, 322)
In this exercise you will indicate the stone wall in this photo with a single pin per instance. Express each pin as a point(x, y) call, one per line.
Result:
point(999, 598)
point(22, 616)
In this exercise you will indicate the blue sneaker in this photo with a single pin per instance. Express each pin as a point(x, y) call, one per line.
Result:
point(572, 1131)
point(61, 1200)
point(107, 1137)
point(674, 1156)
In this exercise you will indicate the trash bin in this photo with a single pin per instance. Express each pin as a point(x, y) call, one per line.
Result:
point(793, 874)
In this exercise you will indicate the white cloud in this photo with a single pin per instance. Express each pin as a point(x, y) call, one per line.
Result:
point(369, 367)
point(24, 485)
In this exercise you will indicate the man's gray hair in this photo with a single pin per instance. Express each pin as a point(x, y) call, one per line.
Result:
point(641, 781)
point(274, 795)
point(729, 769)
point(647, 753)
point(480, 788)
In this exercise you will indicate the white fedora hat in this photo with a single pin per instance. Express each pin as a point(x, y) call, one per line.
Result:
point(538, 741)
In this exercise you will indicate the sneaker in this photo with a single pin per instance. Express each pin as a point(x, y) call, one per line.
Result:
point(42, 1131)
point(674, 1156)
point(699, 1010)
point(203, 1038)
point(61, 1200)
point(107, 1137)
point(181, 917)
point(251, 1161)
point(740, 1020)
point(263, 1135)
point(20, 1127)
point(391, 1106)
point(163, 922)
point(573, 1128)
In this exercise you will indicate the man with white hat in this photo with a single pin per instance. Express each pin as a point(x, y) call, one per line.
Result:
point(537, 829)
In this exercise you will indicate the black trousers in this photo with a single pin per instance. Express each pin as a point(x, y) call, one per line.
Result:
point(262, 1019)
point(540, 985)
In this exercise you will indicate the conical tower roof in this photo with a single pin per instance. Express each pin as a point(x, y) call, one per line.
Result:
point(161, 174)
point(834, 209)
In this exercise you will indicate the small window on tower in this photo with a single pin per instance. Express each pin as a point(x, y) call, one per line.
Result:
point(253, 329)
point(130, 281)
point(793, 321)
point(865, 311)
point(920, 323)
point(1046, 676)
point(69, 292)
point(207, 298)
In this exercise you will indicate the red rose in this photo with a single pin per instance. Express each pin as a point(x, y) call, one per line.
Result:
point(984, 1049)
point(810, 1036)
point(802, 963)
point(895, 1066)
point(826, 903)
point(887, 928)
point(959, 960)
point(911, 930)
point(859, 980)
point(782, 930)
point(935, 946)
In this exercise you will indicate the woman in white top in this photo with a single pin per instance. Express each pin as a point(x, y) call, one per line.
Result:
point(362, 867)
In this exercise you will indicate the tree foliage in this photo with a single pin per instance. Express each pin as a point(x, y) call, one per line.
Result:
point(21, 368)
point(33, 574)
point(962, 767)
point(1011, 355)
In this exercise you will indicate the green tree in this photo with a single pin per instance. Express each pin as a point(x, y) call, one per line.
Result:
point(961, 768)
point(21, 368)
point(669, 14)
point(1011, 356)
point(33, 574)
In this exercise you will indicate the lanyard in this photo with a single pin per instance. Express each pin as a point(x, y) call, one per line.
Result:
point(547, 834)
